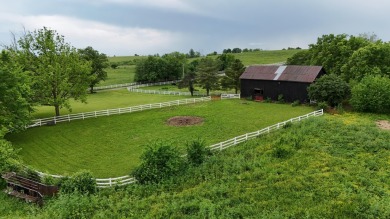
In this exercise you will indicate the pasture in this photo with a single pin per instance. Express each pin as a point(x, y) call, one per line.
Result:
point(111, 146)
point(107, 99)
point(122, 74)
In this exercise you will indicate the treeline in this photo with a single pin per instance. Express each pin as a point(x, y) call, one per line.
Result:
point(358, 71)
point(208, 73)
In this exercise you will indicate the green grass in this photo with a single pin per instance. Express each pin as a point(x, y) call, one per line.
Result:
point(111, 146)
point(109, 99)
point(265, 57)
point(326, 167)
point(120, 75)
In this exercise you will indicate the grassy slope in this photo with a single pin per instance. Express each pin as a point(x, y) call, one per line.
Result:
point(125, 74)
point(327, 167)
point(111, 146)
point(120, 75)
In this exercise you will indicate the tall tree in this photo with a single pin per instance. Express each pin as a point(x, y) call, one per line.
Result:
point(58, 72)
point(189, 77)
point(207, 74)
point(232, 75)
point(225, 59)
point(99, 62)
point(15, 105)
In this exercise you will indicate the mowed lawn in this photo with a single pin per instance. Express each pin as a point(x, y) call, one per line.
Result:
point(111, 146)
point(107, 99)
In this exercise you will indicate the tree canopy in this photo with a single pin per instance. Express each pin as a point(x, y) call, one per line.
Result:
point(207, 74)
point(15, 104)
point(57, 70)
point(165, 68)
point(232, 75)
point(99, 62)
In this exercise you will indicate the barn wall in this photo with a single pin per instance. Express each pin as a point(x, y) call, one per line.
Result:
point(291, 90)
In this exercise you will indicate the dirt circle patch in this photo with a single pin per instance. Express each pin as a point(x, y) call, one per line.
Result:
point(383, 124)
point(184, 121)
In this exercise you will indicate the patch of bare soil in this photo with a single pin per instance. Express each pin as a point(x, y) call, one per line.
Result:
point(383, 124)
point(184, 121)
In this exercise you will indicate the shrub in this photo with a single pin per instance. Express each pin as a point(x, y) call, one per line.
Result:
point(295, 103)
point(197, 152)
point(73, 205)
point(280, 98)
point(329, 88)
point(81, 182)
point(372, 94)
point(160, 161)
point(322, 105)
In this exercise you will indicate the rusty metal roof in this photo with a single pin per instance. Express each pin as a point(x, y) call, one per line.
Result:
point(294, 73)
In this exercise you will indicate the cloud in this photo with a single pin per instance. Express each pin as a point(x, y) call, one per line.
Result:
point(103, 37)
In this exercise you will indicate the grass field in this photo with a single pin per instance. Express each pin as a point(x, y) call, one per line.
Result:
point(125, 73)
point(111, 146)
point(109, 99)
point(334, 166)
point(120, 75)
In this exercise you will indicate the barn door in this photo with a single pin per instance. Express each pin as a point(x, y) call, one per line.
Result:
point(258, 94)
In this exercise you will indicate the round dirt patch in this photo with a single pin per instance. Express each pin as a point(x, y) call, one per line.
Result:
point(383, 124)
point(184, 120)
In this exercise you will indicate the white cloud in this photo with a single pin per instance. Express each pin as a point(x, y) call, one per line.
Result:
point(109, 39)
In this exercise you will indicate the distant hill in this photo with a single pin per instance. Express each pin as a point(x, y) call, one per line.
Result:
point(248, 58)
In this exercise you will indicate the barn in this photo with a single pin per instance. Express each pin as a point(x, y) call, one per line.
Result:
point(269, 81)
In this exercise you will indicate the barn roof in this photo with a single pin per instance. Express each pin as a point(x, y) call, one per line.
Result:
point(294, 73)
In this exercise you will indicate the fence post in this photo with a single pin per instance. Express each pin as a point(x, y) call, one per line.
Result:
point(220, 146)
point(110, 182)
point(83, 115)
point(68, 118)
point(55, 120)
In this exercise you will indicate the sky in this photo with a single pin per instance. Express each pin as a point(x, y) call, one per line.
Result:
point(147, 27)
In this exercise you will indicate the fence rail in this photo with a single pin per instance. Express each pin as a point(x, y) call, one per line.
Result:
point(114, 86)
point(230, 96)
point(164, 92)
point(125, 180)
point(151, 84)
point(251, 135)
point(67, 118)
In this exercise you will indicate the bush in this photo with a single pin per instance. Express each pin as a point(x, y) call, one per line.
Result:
point(160, 161)
point(372, 94)
point(81, 182)
point(295, 103)
point(329, 88)
point(197, 152)
point(322, 105)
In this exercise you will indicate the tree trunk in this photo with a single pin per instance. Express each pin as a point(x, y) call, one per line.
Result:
point(207, 92)
point(236, 89)
point(91, 89)
point(57, 109)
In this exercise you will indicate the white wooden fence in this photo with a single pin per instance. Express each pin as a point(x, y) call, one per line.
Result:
point(251, 135)
point(230, 96)
point(67, 118)
point(151, 84)
point(118, 181)
point(164, 92)
point(114, 86)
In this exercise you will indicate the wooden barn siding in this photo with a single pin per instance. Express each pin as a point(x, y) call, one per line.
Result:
point(291, 90)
